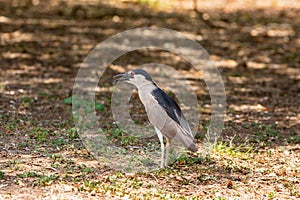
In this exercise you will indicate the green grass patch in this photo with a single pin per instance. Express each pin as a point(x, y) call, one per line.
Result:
point(1, 175)
point(82, 103)
point(28, 174)
point(120, 136)
point(184, 159)
point(228, 148)
point(46, 179)
point(264, 133)
point(41, 134)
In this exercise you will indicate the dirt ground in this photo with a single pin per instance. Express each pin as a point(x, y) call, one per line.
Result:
point(256, 48)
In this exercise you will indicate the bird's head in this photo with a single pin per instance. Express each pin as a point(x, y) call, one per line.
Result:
point(136, 77)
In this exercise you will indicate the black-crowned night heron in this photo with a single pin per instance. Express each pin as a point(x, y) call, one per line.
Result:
point(163, 112)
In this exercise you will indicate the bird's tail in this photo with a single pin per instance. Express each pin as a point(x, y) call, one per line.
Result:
point(187, 139)
point(193, 147)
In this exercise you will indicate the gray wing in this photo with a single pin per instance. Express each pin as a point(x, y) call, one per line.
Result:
point(160, 118)
point(171, 108)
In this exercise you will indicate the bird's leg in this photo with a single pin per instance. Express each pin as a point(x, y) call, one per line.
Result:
point(160, 137)
point(168, 145)
point(162, 153)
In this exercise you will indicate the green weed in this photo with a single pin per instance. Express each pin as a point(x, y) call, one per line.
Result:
point(184, 159)
point(41, 134)
point(86, 170)
point(13, 123)
point(73, 133)
point(1, 175)
point(27, 99)
point(241, 151)
point(46, 179)
point(292, 188)
point(59, 142)
point(23, 144)
point(294, 138)
point(89, 185)
point(272, 195)
point(14, 162)
point(82, 103)
point(28, 174)
point(220, 198)
point(120, 136)
point(264, 132)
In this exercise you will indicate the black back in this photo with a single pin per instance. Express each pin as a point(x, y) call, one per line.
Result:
point(169, 104)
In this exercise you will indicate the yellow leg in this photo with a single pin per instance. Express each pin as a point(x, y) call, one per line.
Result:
point(160, 137)
point(168, 145)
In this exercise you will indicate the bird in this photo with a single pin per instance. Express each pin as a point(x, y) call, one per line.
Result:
point(162, 111)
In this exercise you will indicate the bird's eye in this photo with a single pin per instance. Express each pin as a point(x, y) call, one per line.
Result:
point(132, 74)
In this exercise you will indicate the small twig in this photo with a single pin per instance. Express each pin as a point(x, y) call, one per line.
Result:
point(53, 169)
point(3, 185)
point(133, 147)
point(153, 177)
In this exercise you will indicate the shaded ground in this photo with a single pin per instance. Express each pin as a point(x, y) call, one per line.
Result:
point(257, 51)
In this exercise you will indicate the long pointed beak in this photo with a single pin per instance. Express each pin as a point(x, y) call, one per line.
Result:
point(121, 77)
